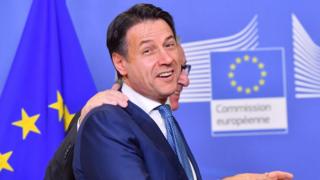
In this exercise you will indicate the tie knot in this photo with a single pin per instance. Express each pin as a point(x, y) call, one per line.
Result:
point(165, 110)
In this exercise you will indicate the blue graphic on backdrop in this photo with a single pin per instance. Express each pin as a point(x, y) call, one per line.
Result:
point(306, 61)
point(247, 74)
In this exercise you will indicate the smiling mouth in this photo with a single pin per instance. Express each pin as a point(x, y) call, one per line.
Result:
point(165, 74)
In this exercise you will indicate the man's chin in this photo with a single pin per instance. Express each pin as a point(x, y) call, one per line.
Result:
point(174, 101)
point(167, 91)
point(174, 105)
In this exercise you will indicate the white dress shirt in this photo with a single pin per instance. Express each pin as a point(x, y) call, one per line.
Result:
point(147, 105)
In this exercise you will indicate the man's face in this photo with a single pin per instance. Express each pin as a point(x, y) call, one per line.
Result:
point(183, 81)
point(152, 65)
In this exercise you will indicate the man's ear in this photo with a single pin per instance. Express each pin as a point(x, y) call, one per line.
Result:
point(119, 63)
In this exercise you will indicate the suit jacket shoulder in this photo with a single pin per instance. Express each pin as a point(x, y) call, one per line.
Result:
point(117, 143)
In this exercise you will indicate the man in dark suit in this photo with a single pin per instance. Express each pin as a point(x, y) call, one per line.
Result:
point(130, 143)
point(60, 166)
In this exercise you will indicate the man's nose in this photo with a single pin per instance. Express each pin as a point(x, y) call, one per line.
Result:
point(165, 57)
point(184, 80)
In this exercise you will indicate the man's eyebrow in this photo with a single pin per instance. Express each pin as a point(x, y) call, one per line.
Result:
point(148, 40)
point(144, 42)
point(169, 38)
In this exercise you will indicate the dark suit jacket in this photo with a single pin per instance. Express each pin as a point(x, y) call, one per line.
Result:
point(125, 143)
point(60, 166)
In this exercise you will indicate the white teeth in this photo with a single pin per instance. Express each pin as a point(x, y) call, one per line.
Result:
point(165, 74)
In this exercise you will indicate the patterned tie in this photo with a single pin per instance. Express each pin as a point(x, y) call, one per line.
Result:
point(175, 140)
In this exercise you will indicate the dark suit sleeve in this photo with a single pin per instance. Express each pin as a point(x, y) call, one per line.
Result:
point(60, 166)
point(108, 148)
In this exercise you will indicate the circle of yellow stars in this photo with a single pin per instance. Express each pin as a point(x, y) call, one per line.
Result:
point(247, 89)
point(28, 124)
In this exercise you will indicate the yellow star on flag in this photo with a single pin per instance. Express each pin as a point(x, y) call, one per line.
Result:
point(4, 161)
point(58, 105)
point(63, 111)
point(27, 123)
point(67, 118)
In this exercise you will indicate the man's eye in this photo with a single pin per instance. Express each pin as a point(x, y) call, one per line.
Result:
point(146, 51)
point(169, 45)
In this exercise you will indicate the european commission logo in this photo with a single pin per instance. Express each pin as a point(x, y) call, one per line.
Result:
point(248, 92)
point(244, 85)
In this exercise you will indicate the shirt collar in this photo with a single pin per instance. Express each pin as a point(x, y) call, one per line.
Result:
point(146, 104)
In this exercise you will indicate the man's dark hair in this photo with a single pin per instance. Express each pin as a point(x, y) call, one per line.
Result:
point(117, 30)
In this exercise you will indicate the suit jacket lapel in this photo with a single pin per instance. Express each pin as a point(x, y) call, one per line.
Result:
point(151, 129)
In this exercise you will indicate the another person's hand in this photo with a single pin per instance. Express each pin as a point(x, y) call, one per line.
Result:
point(274, 175)
point(110, 96)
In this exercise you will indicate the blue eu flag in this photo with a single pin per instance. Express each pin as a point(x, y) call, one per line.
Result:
point(48, 82)
point(248, 74)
